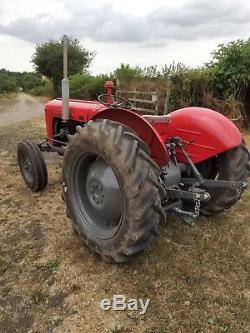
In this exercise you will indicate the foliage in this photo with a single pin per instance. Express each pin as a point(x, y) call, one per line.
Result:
point(189, 86)
point(86, 86)
point(231, 64)
point(48, 59)
point(7, 83)
point(45, 89)
point(12, 81)
point(52, 265)
point(223, 84)
point(37, 297)
point(30, 81)
point(125, 73)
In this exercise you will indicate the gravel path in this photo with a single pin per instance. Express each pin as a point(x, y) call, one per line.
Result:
point(23, 107)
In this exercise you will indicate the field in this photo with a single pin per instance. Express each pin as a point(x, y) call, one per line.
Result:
point(196, 277)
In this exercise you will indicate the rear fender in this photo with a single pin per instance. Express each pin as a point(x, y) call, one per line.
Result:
point(143, 129)
point(210, 132)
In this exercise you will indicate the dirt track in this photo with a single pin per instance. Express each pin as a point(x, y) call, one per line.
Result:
point(23, 107)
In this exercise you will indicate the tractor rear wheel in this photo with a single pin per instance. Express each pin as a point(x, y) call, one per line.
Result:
point(231, 165)
point(111, 190)
point(32, 165)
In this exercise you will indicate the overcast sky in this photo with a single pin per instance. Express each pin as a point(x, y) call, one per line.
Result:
point(147, 32)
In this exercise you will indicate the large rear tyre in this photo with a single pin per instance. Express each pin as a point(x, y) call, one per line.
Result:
point(232, 165)
point(32, 165)
point(111, 190)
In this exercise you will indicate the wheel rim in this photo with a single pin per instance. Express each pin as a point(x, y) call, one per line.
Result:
point(27, 168)
point(97, 195)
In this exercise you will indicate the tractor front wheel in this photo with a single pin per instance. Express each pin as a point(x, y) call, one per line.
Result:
point(32, 165)
point(111, 190)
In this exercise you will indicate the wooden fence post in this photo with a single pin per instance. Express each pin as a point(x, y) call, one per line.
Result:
point(166, 105)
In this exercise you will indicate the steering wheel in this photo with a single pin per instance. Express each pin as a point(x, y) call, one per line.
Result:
point(117, 102)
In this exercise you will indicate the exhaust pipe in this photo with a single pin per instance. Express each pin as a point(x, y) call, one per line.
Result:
point(65, 82)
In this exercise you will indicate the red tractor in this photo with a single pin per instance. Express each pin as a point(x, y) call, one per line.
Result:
point(124, 173)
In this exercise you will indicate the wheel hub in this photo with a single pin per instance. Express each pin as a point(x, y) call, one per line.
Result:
point(97, 193)
point(27, 168)
point(27, 165)
point(103, 191)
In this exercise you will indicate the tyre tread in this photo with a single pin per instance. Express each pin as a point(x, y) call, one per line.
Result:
point(142, 188)
point(235, 166)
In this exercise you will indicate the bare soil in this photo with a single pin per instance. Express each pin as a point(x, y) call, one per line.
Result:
point(22, 107)
point(196, 277)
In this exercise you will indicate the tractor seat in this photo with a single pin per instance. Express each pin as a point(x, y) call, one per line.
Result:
point(156, 119)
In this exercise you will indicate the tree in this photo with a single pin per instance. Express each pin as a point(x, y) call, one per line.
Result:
point(231, 63)
point(48, 59)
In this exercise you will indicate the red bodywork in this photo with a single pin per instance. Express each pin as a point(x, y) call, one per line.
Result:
point(210, 132)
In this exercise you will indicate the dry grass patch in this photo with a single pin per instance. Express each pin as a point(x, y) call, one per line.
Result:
point(196, 277)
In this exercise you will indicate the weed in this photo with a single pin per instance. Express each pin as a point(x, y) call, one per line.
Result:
point(37, 296)
point(52, 265)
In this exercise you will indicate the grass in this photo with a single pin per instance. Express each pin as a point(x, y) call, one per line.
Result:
point(7, 96)
point(37, 296)
point(52, 265)
point(196, 277)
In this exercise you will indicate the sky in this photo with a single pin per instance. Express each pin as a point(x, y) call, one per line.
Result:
point(144, 33)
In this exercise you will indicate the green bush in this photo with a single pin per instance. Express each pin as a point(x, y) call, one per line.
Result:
point(125, 73)
point(12, 81)
point(189, 86)
point(86, 86)
point(45, 89)
point(30, 81)
point(231, 64)
point(7, 83)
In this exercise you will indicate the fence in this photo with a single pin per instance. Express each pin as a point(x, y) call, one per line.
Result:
point(146, 102)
